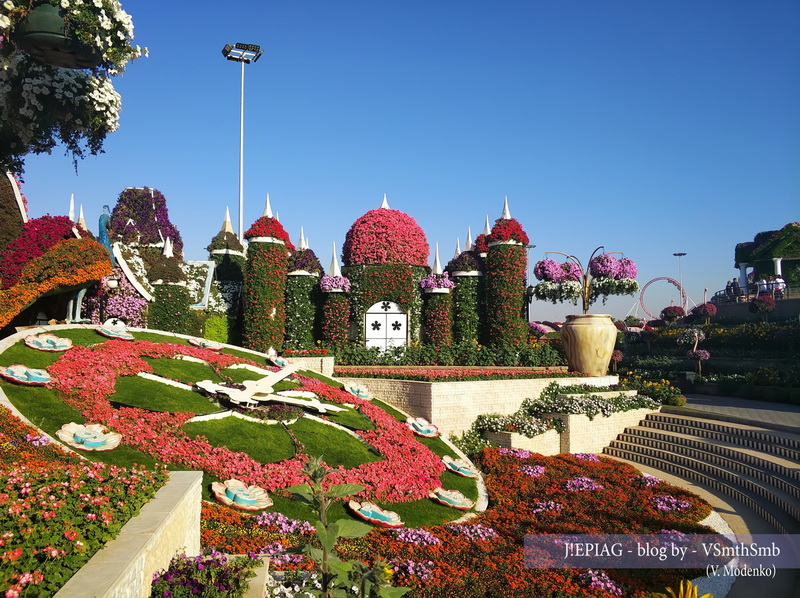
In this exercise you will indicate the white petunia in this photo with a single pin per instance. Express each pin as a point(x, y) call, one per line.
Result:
point(8, 5)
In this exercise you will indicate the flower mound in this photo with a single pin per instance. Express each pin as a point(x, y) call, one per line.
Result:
point(385, 236)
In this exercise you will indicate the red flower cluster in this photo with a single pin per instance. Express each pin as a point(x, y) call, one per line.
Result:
point(269, 227)
point(385, 236)
point(37, 236)
point(507, 229)
point(336, 318)
point(437, 319)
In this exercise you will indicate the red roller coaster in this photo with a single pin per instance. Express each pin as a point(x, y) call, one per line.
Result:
point(673, 282)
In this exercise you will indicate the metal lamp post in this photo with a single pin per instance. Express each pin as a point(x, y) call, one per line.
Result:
point(243, 54)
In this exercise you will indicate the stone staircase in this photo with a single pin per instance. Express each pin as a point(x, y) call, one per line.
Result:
point(757, 466)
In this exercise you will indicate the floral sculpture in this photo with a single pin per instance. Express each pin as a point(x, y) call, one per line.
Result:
point(374, 514)
point(25, 375)
point(75, 107)
point(48, 342)
point(385, 236)
point(693, 336)
point(89, 437)
point(334, 284)
point(460, 467)
point(237, 494)
point(605, 276)
point(451, 498)
point(422, 427)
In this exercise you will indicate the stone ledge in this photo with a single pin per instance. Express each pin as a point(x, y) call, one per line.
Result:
point(166, 526)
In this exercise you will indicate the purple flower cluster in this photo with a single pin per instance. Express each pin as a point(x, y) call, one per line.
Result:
point(698, 355)
point(278, 557)
point(582, 483)
point(665, 502)
point(552, 271)
point(533, 471)
point(542, 506)
point(646, 480)
point(598, 580)
point(37, 439)
point(418, 536)
point(606, 265)
point(473, 532)
point(538, 329)
point(437, 281)
point(420, 569)
point(334, 283)
point(284, 524)
point(514, 452)
point(587, 457)
point(674, 535)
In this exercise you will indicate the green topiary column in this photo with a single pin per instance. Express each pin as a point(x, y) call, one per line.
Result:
point(437, 317)
point(302, 299)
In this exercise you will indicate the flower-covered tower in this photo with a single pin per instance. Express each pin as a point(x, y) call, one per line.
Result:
point(265, 283)
point(303, 297)
point(466, 271)
point(506, 265)
point(385, 256)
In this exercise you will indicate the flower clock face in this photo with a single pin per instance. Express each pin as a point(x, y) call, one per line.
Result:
point(85, 378)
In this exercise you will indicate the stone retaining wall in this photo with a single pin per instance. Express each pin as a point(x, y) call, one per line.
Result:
point(580, 435)
point(166, 526)
point(453, 406)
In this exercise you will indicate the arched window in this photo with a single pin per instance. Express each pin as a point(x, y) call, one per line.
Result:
point(385, 325)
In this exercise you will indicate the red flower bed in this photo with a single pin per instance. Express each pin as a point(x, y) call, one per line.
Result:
point(385, 236)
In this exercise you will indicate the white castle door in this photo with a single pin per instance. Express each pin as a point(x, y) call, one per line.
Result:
point(385, 325)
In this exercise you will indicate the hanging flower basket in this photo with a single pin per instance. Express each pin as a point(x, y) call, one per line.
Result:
point(45, 36)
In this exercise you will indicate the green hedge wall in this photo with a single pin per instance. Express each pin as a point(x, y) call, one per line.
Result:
point(265, 296)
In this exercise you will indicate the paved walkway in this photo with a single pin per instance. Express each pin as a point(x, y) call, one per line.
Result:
point(780, 416)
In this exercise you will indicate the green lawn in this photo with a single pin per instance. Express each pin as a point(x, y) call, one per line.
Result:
point(182, 370)
point(81, 336)
point(136, 391)
point(21, 354)
point(336, 447)
point(389, 409)
point(351, 418)
point(264, 443)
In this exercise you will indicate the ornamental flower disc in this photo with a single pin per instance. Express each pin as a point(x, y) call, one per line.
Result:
point(89, 437)
point(25, 375)
point(422, 427)
point(235, 493)
point(452, 498)
point(117, 333)
point(48, 342)
point(460, 467)
point(359, 390)
point(374, 514)
point(205, 344)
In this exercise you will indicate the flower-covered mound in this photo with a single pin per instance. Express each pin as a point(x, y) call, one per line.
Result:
point(89, 437)
point(385, 236)
point(484, 556)
point(233, 493)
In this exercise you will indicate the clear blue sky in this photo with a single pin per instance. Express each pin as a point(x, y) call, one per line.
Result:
point(648, 127)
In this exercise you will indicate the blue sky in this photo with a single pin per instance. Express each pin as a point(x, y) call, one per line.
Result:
point(647, 127)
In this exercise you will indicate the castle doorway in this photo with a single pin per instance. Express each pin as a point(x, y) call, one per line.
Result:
point(385, 326)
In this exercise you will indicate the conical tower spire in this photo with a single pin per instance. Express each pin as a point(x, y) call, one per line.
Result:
point(302, 243)
point(385, 204)
point(72, 207)
point(458, 247)
point(81, 220)
point(487, 230)
point(468, 243)
point(506, 215)
point(267, 208)
point(227, 227)
point(168, 248)
point(334, 269)
point(437, 264)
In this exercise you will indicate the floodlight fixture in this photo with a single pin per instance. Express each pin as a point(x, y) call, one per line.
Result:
point(243, 54)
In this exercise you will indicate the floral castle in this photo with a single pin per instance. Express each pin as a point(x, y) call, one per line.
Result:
point(273, 294)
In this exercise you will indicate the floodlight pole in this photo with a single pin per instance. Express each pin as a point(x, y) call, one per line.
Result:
point(243, 54)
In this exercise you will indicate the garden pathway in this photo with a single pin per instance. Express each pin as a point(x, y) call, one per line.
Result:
point(779, 416)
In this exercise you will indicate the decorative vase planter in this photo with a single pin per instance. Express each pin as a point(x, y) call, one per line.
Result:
point(43, 35)
point(589, 342)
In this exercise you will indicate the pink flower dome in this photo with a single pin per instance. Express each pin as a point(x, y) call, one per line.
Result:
point(385, 236)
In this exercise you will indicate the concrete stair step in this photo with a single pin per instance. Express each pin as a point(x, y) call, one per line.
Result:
point(782, 444)
point(774, 505)
point(785, 470)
